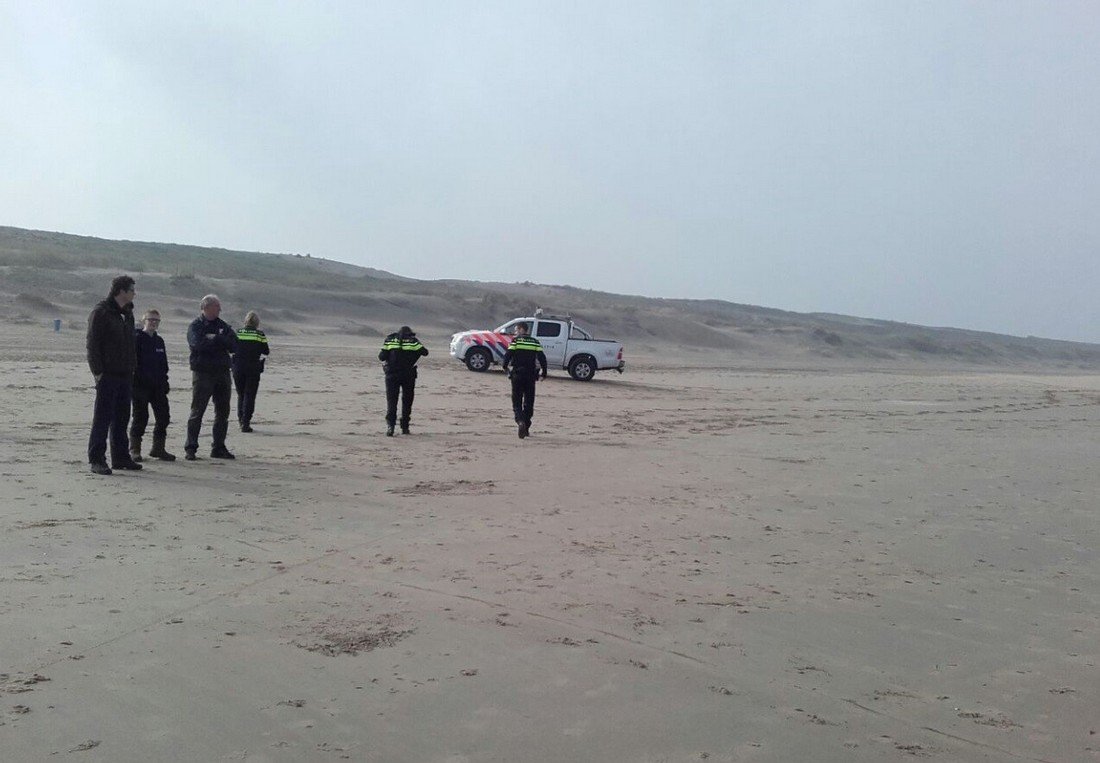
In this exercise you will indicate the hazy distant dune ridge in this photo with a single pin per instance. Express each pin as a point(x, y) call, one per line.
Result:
point(47, 275)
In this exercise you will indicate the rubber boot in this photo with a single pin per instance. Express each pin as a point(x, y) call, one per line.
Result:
point(135, 449)
point(158, 450)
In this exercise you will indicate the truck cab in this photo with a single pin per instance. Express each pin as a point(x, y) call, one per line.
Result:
point(552, 334)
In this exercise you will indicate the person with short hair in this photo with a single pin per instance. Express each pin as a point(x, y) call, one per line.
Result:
point(150, 388)
point(212, 341)
point(110, 346)
point(248, 364)
point(399, 354)
point(522, 355)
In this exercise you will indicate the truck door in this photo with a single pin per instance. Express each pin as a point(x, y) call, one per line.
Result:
point(552, 337)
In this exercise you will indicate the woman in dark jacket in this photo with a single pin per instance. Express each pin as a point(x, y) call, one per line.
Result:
point(248, 364)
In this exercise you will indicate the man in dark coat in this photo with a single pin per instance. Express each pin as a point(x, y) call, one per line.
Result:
point(150, 388)
point(399, 354)
point(211, 341)
point(525, 356)
point(110, 344)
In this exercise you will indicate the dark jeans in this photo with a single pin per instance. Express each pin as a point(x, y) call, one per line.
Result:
point(144, 397)
point(523, 397)
point(112, 411)
point(247, 382)
point(406, 387)
point(206, 385)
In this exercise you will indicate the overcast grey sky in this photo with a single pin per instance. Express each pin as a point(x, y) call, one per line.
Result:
point(936, 162)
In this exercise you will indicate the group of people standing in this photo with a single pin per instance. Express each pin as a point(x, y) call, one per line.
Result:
point(130, 367)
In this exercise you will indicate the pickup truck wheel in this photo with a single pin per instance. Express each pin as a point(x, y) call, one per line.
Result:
point(582, 368)
point(478, 359)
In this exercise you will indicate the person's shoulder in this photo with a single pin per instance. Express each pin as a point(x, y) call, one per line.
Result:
point(101, 315)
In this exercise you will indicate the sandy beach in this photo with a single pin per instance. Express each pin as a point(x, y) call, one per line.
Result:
point(696, 560)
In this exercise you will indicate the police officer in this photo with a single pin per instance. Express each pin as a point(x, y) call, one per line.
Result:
point(248, 364)
point(399, 354)
point(150, 388)
point(522, 355)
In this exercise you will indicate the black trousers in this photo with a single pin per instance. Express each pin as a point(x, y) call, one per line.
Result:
point(144, 397)
point(523, 397)
point(247, 382)
point(110, 415)
point(405, 386)
point(204, 386)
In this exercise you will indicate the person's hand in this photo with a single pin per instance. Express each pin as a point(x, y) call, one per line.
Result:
point(97, 377)
point(510, 372)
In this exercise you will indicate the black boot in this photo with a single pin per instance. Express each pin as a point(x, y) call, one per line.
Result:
point(389, 430)
point(135, 448)
point(158, 450)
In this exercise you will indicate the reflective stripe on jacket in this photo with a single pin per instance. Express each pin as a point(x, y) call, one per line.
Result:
point(251, 347)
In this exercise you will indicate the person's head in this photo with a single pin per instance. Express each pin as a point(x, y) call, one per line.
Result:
point(210, 306)
point(150, 321)
point(405, 332)
point(521, 329)
point(122, 290)
point(252, 321)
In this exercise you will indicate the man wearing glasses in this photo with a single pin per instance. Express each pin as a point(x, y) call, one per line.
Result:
point(150, 389)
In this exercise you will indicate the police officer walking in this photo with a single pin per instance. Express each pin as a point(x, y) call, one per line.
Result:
point(211, 341)
point(522, 356)
point(399, 354)
point(150, 388)
point(248, 364)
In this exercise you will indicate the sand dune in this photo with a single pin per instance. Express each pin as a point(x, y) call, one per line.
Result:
point(56, 275)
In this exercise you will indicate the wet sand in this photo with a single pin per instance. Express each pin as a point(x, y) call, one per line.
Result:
point(692, 561)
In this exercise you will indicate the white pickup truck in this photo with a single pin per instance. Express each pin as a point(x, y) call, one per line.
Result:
point(565, 344)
